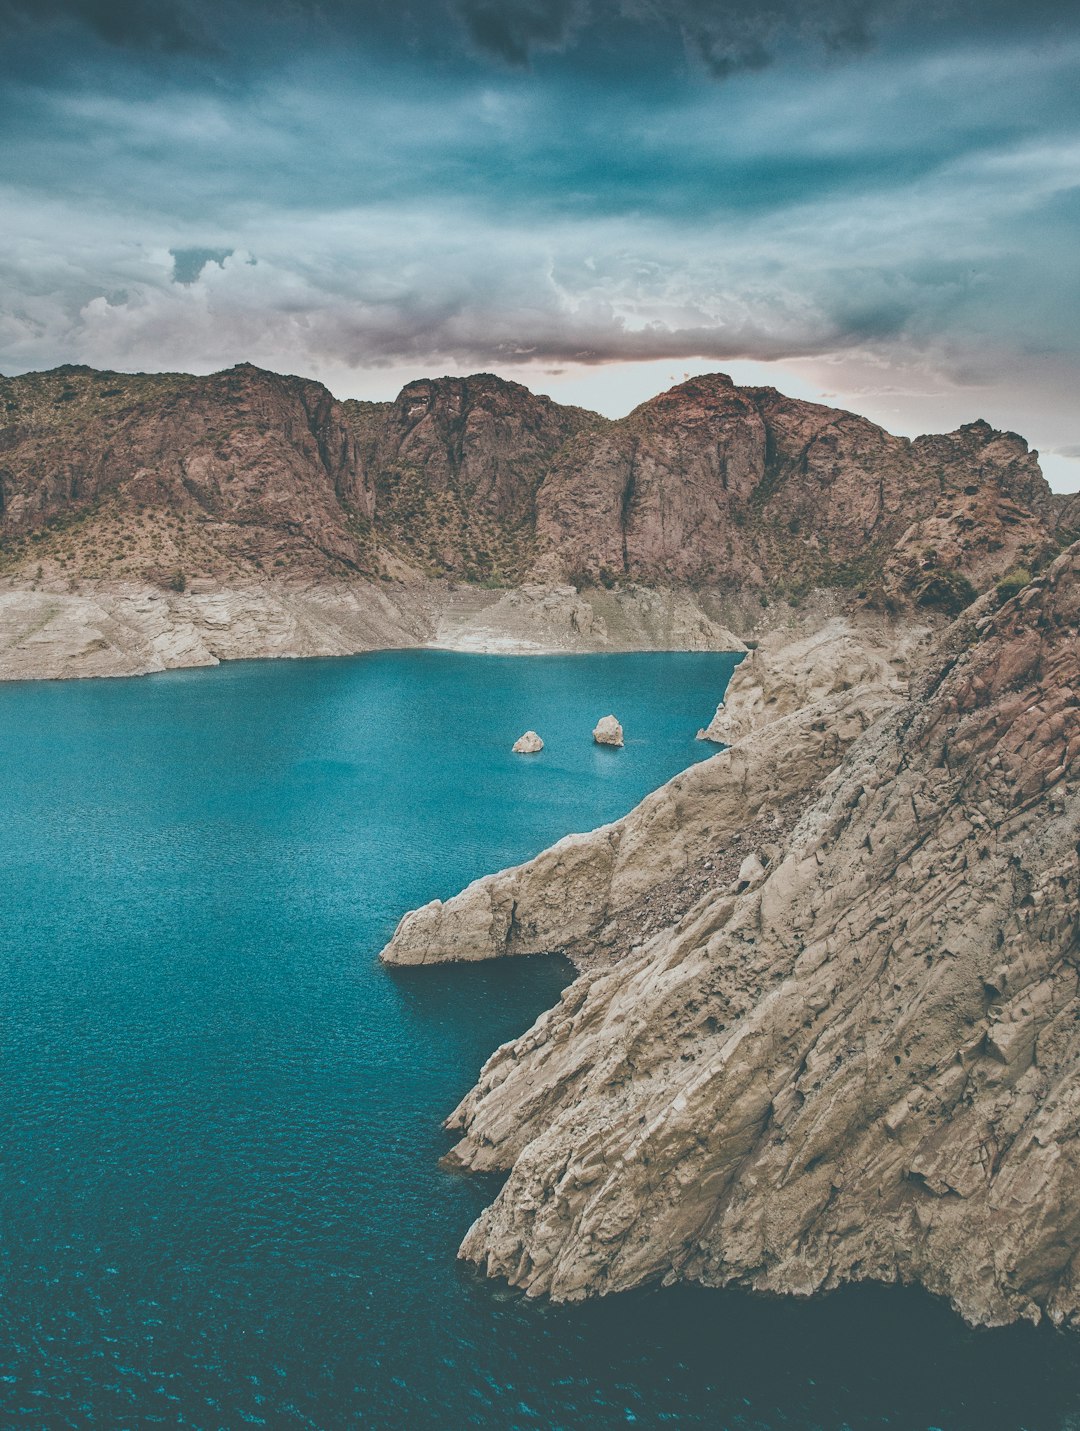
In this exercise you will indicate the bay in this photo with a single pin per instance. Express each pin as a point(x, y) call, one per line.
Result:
point(220, 1199)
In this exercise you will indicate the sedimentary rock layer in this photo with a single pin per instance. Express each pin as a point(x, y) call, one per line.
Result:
point(863, 1064)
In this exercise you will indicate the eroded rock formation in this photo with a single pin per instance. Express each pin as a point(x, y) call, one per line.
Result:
point(863, 1064)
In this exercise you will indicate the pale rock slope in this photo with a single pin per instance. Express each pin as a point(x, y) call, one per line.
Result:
point(132, 630)
point(794, 670)
point(542, 617)
point(574, 896)
point(864, 1064)
point(128, 628)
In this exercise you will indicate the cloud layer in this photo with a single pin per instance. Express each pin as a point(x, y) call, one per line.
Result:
point(543, 183)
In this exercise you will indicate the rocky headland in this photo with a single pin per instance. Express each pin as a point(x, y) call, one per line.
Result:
point(149, 521)
point(826, 1024)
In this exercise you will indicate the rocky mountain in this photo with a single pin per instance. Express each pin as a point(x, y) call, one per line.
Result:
point(718, 485)
point(828, 1025)
point(105, 476)
point(456, 464)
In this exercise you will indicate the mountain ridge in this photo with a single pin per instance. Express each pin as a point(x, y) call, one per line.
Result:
point(742, 502)
point(478, 478)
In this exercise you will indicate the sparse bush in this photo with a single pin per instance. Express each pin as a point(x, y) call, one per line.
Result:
point(948, 590)
point(1012, 582)
point(178, 581)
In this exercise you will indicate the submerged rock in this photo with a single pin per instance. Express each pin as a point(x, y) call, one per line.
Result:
point(608, 731)
point(528, 744)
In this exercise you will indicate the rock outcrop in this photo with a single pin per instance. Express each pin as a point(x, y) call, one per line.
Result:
point(608, 731)
point(528, 744)
point(793, 670)
point(1067, 511)
point(862, 1064)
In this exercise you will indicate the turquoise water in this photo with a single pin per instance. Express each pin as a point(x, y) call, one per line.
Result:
point(220, 1203)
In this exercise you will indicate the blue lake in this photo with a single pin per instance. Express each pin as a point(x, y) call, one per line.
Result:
point(220, 1200)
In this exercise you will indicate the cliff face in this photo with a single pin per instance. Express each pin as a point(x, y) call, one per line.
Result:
point(859, 1058)
point(714, 484)
point(1067, 512)
point(113, 475)
point(456, 464)
point(106, 476)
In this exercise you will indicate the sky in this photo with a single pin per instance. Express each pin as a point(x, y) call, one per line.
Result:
point(874, 203)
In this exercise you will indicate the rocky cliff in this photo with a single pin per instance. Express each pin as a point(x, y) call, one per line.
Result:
point(854, 1057)
point(725, 486)
point(456, 464)
point(724, 507)
point(160, 477)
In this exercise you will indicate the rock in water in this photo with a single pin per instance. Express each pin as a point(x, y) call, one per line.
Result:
point(608, 731)
point(528, 744)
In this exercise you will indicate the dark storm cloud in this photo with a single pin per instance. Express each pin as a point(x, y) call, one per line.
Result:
point(722, 37)
point(728, 37)
point(513, 32)
point(173, 28)
point(340, 186)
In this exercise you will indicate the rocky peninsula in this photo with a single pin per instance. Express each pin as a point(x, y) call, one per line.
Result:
point(826, 1025)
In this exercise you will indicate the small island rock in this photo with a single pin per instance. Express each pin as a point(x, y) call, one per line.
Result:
point(608, 731)
point(528, 744)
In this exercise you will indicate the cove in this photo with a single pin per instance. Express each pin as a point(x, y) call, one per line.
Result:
point(220, 1200)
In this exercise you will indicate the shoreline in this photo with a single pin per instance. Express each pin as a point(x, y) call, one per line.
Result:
point(130, 630)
